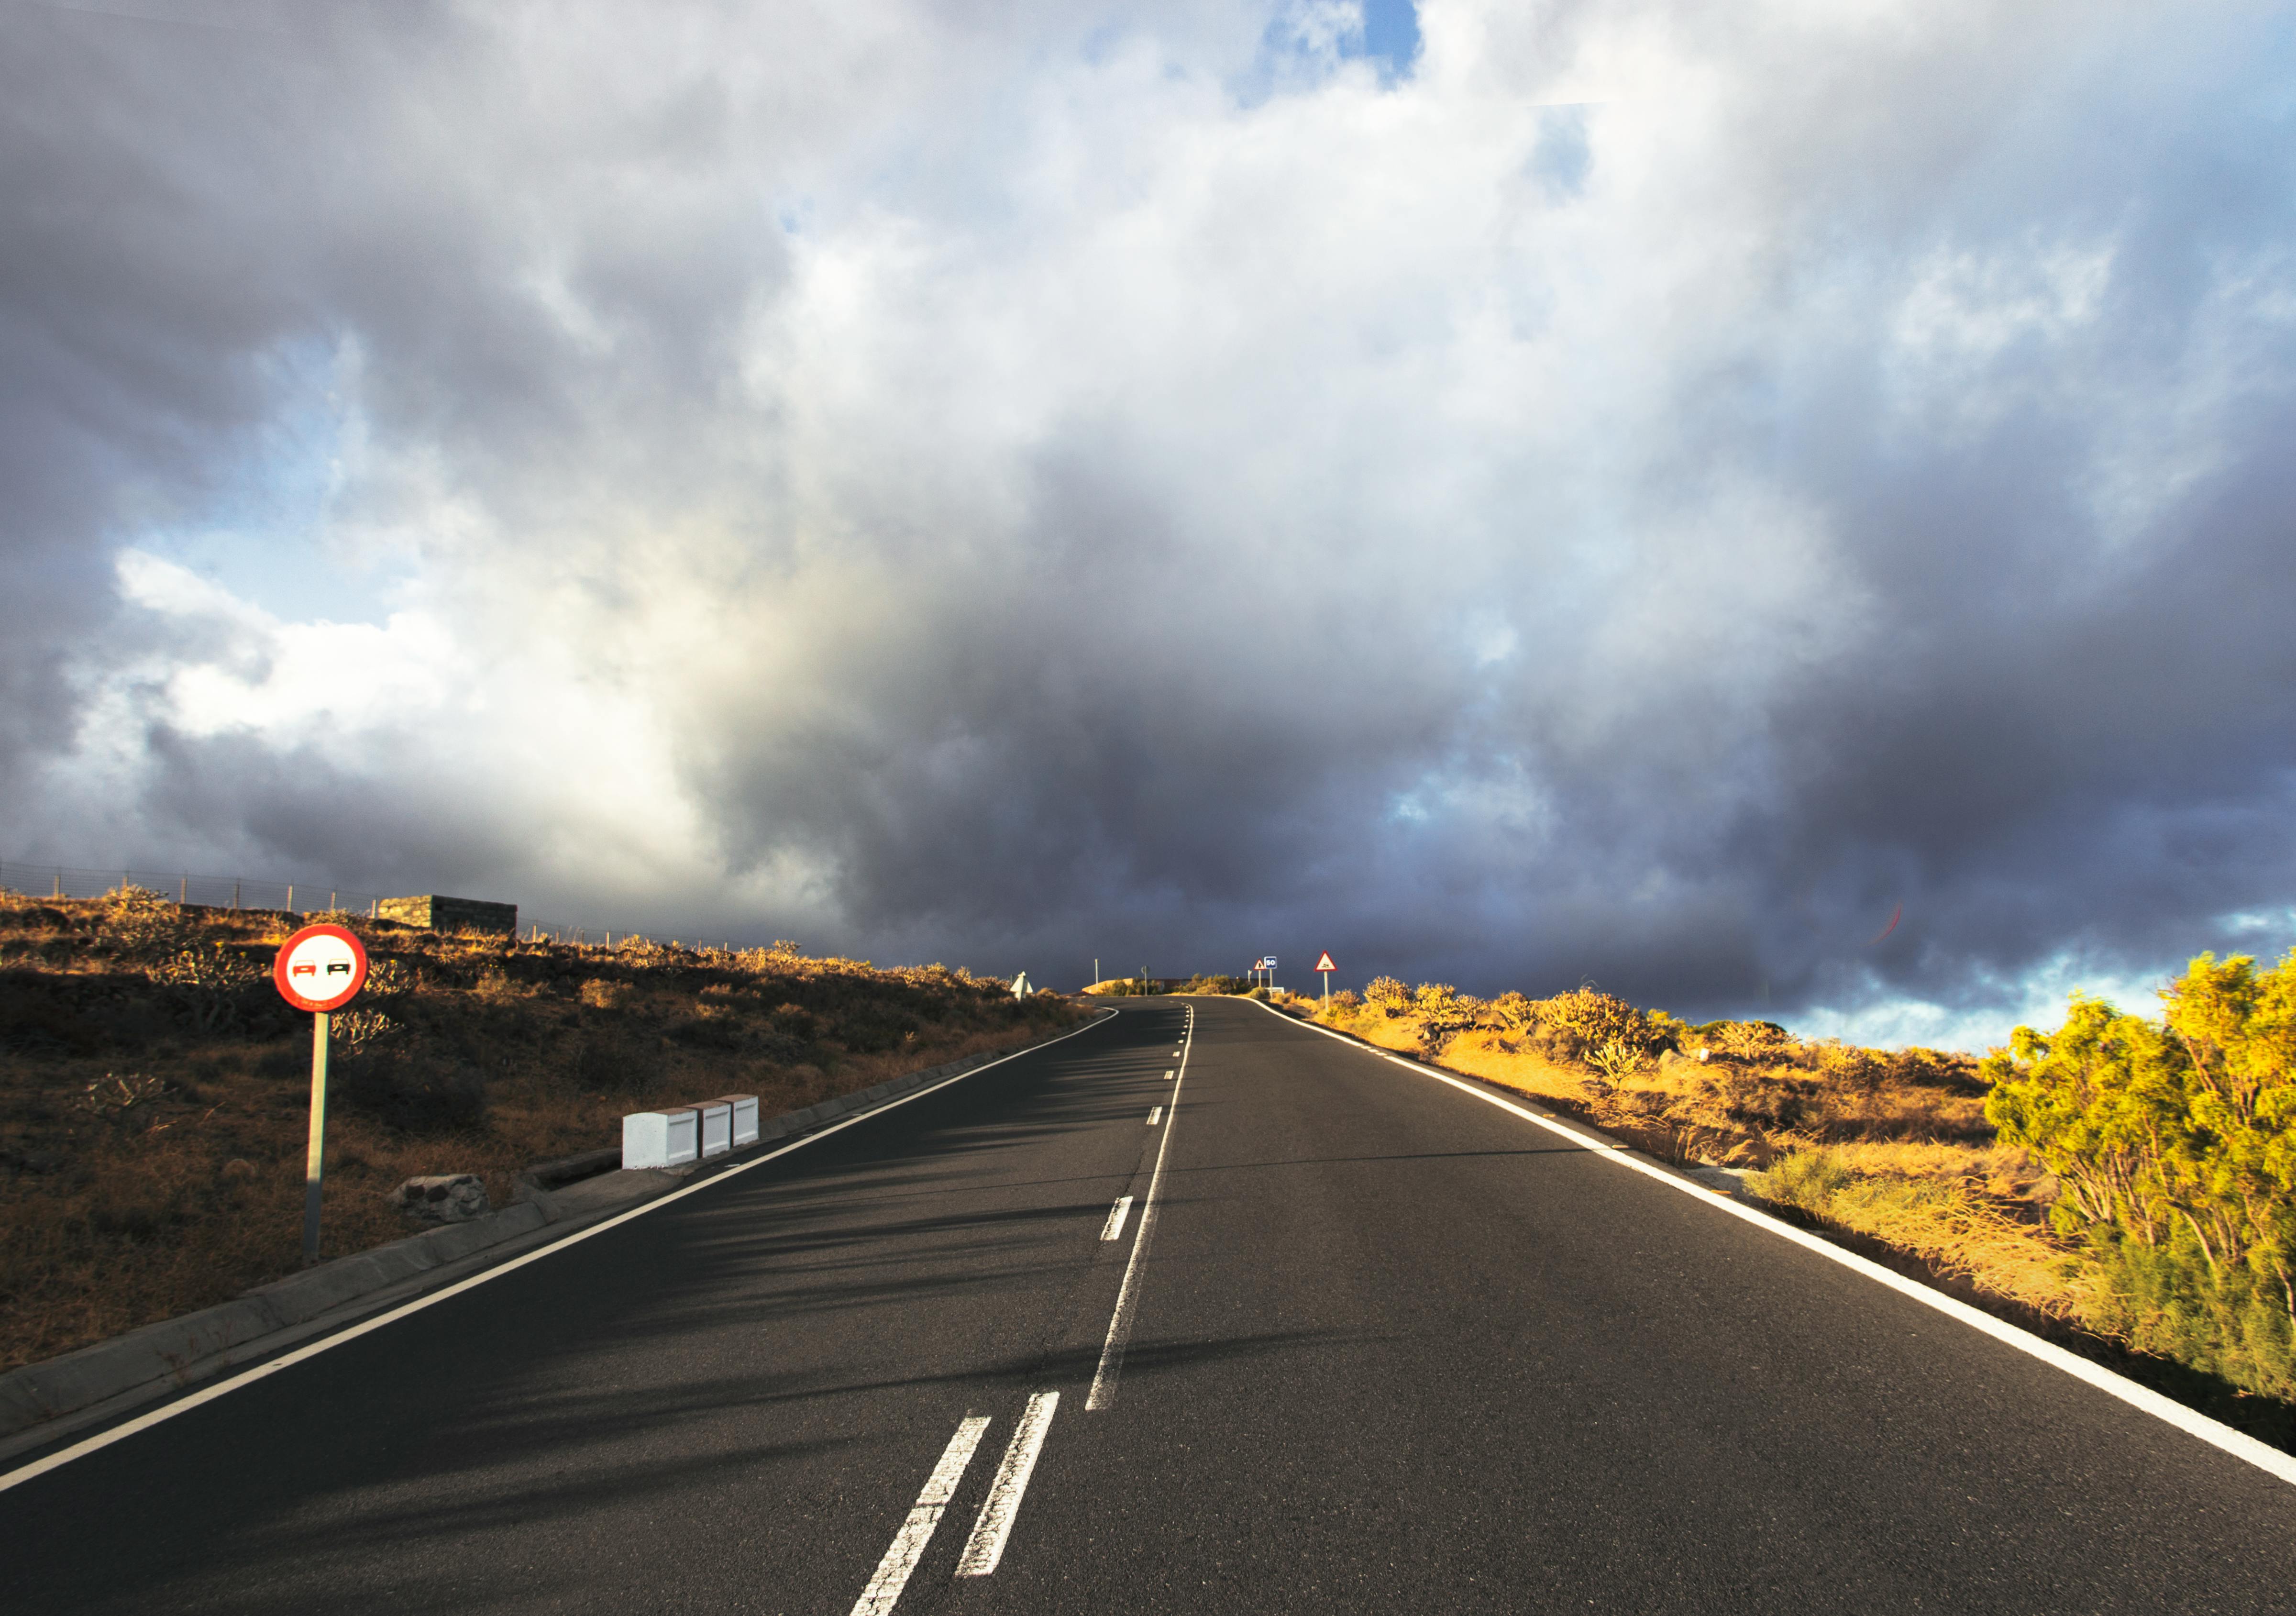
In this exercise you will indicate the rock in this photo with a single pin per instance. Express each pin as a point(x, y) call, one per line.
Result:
point(442, 1198)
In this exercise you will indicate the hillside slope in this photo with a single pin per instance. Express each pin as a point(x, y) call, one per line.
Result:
point(154, 1088)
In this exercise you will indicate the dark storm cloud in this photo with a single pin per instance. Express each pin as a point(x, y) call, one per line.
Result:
point(108, 403)
point(1628, 499)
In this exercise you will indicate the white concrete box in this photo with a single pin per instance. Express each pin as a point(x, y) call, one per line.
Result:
point(717, 1126)
point(745, 1118)
point(661, 1138)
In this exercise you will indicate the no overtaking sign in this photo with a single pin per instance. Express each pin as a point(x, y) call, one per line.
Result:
point(320, 968)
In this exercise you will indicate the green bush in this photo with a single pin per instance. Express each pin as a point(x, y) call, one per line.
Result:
point(2174, 1143)
point(2169, 1299)
point(1515, 1012)
point(1587, 1018)
point(1386, 996)
point(1808, 1180)
point(1443, 1014)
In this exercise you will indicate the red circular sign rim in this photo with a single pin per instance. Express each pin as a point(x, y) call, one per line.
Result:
point(335, 1001)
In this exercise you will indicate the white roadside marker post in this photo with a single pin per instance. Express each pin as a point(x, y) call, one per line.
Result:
point(319, 968)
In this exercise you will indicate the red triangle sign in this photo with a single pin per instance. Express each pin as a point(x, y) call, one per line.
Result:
point(1323, 961)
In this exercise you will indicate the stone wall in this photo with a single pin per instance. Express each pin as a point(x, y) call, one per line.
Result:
point(437, 914)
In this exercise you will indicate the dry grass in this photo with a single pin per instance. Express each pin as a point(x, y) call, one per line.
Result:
point(1745, 1107)
point(154, 1089)
point(1971, 1211)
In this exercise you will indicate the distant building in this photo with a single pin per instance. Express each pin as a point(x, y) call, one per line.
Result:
point(434, 912)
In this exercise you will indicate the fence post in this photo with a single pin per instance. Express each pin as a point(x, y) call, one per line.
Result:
point(183, 892)
point(235, 895)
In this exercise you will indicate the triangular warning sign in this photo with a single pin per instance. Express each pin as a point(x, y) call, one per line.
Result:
point(1323, 961)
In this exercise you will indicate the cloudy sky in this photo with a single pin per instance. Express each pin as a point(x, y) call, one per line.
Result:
point(1635, 492)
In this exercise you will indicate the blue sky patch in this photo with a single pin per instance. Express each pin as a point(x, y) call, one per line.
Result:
point(1390, 35)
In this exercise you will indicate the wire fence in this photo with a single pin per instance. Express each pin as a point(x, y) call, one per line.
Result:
point(616, 936)
point(283, 897)
point(207, 892)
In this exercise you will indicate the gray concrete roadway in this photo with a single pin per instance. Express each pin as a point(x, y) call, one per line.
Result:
point(1391, 1349)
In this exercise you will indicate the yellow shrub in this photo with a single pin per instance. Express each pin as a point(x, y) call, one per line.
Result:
point(601, 995)
point(1591, 1018)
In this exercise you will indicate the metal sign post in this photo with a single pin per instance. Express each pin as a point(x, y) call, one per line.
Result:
point(314, 1151)
point(320, 968)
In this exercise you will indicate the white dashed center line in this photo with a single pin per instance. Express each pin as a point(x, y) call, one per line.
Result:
point(1117, 1214)
point(885, 1589)
point(985, 1546)
point(1105, 1378)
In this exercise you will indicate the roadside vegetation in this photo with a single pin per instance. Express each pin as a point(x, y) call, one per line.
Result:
point(1148, 986)
point(2128, 1181)
point(154, 1088)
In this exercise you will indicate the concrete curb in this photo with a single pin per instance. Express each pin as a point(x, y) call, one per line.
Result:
point(42, 1402)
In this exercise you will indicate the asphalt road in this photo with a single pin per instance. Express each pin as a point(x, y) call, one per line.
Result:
point(1390, 1348)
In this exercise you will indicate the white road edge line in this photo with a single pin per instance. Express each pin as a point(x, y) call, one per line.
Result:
point(1128, 1296)
point(1117, 1214)
point(985, 1546)
point(908, 1545)
point(2215, 1432)
point(105, 1439)
point(1155, 1115)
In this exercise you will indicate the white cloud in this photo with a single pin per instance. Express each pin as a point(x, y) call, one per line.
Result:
point(952, 478)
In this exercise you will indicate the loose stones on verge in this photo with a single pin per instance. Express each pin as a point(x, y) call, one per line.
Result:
point(442, 1198)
